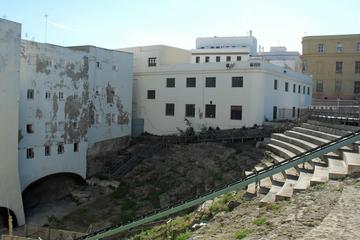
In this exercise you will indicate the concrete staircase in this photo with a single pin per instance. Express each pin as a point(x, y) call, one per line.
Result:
point(334, 165)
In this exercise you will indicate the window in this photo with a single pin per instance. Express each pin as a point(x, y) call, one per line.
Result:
point(207, 59)
point(299, 89)
point(197, 59)
point(30, 94)
point(113, 117)
point(321, 48)
point(275, 84)
point(274, 112)
point(190, 110)
point(151, 94)
point(169, 109)
point(339, 66)
point(237, 82)
point(339, 48)
point(210, 82)
point(61, 96)
point(357, 87)
point(98, 65)
point(115, 68)
point(357, 67)
point(294, 88)
point(337, 86)
point(170, 82)
point(61, 148)
point(152, 62)
point(47, 95)
point(358, 47)
point(304, 89)
point(293, 112)
point(308, 92)
point(286, 86)
point(48, 127)
point(29, 153)
point(29, 128)
point(76, 147)
point(238, 58)
point(47, 150)
point(217, 58)
point(319, 86)
point(210, 111)
point(228, 58)
point(236, 113)
point(191, 82)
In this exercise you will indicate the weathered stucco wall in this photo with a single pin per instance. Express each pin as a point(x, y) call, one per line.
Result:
point(82, 95)
point(10, 193)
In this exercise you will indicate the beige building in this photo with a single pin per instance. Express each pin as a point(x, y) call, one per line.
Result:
point(334, 63)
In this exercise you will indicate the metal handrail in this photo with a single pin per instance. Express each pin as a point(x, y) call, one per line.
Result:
point(240, 183)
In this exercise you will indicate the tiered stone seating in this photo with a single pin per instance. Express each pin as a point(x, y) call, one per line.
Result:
point(333, 165)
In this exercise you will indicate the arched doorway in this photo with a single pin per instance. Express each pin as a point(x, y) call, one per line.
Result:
point(4, 218)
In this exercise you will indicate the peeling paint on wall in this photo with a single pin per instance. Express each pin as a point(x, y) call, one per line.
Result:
point(55, 105)
point(110, 93)
point(42, 65)
point(123, 118)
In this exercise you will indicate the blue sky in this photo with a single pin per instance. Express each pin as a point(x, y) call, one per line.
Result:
point(120, 23)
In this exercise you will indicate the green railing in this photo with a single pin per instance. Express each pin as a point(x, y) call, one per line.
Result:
point(242, 183)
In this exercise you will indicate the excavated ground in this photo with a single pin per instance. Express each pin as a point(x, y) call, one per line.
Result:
point(176, 173)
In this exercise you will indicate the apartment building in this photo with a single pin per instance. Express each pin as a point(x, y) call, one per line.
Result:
point(334, 63)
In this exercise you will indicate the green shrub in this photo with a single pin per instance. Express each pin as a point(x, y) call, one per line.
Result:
point(184, 236)
point(243, 233)
point(120, 192)
point(259, 221)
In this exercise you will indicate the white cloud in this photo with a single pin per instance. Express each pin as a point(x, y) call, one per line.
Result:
point(61, 26)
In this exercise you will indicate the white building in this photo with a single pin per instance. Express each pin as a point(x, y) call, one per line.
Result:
point(283, 58)
point(60, 108)
point(10, 191)
point(216, 94)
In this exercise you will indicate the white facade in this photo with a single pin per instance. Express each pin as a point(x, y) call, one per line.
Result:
point(70, 99)
point(283, 58)
point(256, 98)
point(10, 192)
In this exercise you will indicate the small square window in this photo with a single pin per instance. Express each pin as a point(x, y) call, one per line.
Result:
point(304, 89)
point(294, 88)
point(339, 48)
point(210, 82)
point(30, 94)
point(238, 58)
point(321, 48)
point(197, 59)
point(357, 67)
point(190, 110)
point(169, 109)
point(207, 59)
point(358, 47)
point(236, 113)
point(228, 58)
point(76, 147)
point(170, 82)
point(210, 111)
point(357, 87)
point(275, 84)
point(217, 58)
point(61, 148)
point(98, 65)
point(319, 86)
point(286, 86)
point(115, 68)
point(151, 94)
point(293, 112)
point(30, 153)
point(191, 82)
point(237, 82)
point(47, 95)
point(47, 150)
point(299, 89)
point(29, 128)
point(61, 96)
point(152, 62)
point(308, 90)
point(339, 67)
point(48, 126)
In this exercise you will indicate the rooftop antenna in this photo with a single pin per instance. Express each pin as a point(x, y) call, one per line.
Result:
point(46, 18)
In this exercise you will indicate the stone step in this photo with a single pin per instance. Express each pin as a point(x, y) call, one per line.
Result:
point(336, 126)
point(321, 175)
point(270, 197)
point(337, 168)
point(334, 131)
point(280, 151)
point(303, 182)
point(352, 161)
point(251, 188)
point(298, 142)
point(286, 190)
point(315, 133)
point(292, 172)
point(288, 146)
point(265, 185)
point(306, 137)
